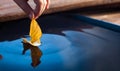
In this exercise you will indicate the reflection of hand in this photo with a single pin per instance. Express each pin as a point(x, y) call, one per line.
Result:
point(41, 5)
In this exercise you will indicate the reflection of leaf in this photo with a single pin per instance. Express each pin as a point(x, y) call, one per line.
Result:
point(35, 52)
point(26, 45)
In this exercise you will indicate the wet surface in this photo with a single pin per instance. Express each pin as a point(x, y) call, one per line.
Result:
point(67, 45)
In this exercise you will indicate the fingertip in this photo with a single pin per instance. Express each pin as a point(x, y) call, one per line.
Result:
point(36, 16)
point(47, 7)
point(48, 3)
point(31, 15)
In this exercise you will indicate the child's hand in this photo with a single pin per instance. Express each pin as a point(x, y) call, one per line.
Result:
point(41, 5)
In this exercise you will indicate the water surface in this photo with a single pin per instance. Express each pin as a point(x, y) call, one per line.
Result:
point(67, 45)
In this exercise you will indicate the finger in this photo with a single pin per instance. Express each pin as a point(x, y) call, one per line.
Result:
point(25, 7)
point(40, 7)
point(48, 3)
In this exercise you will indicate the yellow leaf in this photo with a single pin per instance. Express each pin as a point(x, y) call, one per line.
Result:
point(35, 33)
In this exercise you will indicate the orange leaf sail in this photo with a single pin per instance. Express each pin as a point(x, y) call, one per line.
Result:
point(35, 33)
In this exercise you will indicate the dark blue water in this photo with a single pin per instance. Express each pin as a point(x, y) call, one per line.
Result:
point(67, 45)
